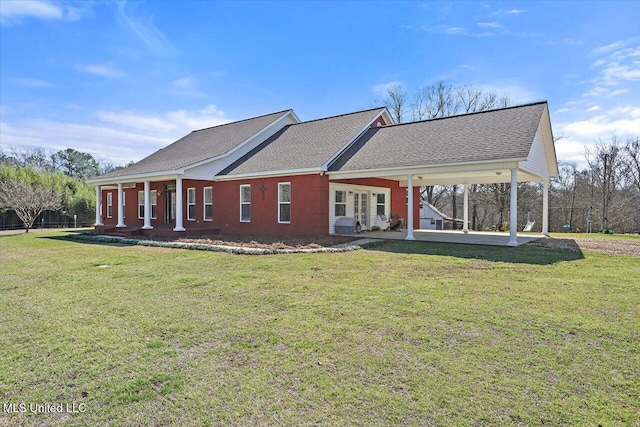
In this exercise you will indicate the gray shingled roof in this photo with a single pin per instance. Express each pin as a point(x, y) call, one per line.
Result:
point(199, 145)
point(304, 145)
point(497, 134)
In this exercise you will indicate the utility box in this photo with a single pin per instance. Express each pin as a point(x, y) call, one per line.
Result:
point(345, 225)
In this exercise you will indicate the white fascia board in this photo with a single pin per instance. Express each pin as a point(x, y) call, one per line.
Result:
point(243, 143)
point(549, 144)
point(418, 169)
point(269, 174)
point(152, 176)
point(345, 147)
point(387, 116)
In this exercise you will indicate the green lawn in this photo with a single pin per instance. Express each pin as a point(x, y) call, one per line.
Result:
point(406, 334)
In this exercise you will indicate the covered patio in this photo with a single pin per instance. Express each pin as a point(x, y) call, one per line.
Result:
point(510, 146)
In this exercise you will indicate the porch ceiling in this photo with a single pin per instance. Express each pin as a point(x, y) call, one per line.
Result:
point(499, 173)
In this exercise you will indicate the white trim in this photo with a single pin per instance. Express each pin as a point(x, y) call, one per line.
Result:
point(426, 169)
point(158, 176)
point(280, 202)
point(140, 204)
point(151, 204)
point(291, 172)
point(204, 203)
point(189, 190)
point(243, 143)
point(109, 204)
point(345, 147)
point(245, 203)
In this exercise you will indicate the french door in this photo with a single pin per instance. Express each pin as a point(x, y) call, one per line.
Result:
point(361, 209)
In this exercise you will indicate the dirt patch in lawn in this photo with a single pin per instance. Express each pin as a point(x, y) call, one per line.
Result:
point(603, 246)
point(271, 242)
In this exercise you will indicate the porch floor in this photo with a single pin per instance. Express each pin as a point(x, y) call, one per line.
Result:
point(491, 238)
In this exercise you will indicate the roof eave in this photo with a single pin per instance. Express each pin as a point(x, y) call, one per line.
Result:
point(135, 177)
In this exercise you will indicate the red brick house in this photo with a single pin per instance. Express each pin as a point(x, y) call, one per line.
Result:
point(275, 175)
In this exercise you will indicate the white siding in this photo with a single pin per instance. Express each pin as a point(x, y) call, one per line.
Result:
point(536, 162)
point(209, 170)
point(333, 187)
point(426, 215)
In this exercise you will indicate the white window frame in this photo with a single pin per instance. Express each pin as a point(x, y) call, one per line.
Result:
point(193, 191)
point(280, 202)
point(153, 197)
point(342, 203)
point(243, 202)
point(109, 204)
point(124, 199)
point(383, 204)
point(205, 203)
point(141, 205)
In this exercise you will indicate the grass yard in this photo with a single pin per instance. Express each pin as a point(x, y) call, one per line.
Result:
point(406, 334)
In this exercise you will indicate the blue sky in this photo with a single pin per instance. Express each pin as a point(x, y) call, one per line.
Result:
point(122, 79)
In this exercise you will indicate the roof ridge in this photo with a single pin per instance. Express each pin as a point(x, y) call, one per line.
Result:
point(240, 121)
point(339, 115)
point(468, 114)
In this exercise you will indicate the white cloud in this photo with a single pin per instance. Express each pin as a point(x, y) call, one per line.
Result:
point(34, 83)
point(577, 135)
point(515, 11)
point(383, 88)
point(145, 29)
point(594, 108)
point(12, 12)
point(120, 136)
point(183, 82)
point(109, 71)
point(489, 25)
point(607, 48)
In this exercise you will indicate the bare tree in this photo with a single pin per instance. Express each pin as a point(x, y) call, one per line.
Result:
point(27, 200)
point(606, 162)
point(632, 153)
point(395, 102)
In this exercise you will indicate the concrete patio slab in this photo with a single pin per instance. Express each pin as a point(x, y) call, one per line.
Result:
point(491, 238)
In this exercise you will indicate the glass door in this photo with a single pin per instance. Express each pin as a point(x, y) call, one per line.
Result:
point(170, 206)
point(361, 209)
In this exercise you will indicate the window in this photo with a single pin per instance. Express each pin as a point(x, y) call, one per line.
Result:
point(191, 204)
point(140, 204)
point(245, 203)
point(208, 203)
point(154, 204)
point(341, 203)
point(284, 202)
point(380, 205)
point(109, 205)
point(124, 199)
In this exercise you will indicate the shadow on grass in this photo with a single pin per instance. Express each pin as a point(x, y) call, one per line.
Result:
point(532, 253)
point(66, 238)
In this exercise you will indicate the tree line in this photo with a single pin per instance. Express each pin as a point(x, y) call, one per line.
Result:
point(38, 188)
point(602, 196)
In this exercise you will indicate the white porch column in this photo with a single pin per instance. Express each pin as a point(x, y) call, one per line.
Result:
point(513, 217)
point(120, 207)
point(410, 208)
point(545, 208)
point(147, 206)
point(98, 205)
point(179, 223)
point(465, 227)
